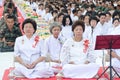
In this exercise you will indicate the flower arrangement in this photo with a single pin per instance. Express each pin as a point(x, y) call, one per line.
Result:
point(86, 45)
point(36, 40)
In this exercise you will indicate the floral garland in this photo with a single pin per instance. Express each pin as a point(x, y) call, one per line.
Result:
point(36, 40)
point(86, 45)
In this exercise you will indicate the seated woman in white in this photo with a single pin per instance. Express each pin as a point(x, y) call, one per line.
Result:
point(115, 30)
point(52, 45)
point(29, 53)
point(74, 57)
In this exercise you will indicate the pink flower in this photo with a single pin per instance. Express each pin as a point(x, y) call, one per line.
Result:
point(36, 41)
point(86, 45)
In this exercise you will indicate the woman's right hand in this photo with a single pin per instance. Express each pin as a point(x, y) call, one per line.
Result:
point(71, 62)
point(86, 62)
point(26, 65)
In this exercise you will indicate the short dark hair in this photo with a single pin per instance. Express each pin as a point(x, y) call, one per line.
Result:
point(74, 11)
point(40, 4)
point(116, 13)
point(10, 5)
point(115, 20)
point(93, 18)
point(54, 11)
point(28, 20)
point(78, 23)
point(60, 14)
point(86, 16)
point(102, 14)
point(64, 20)
point(108, 13)
point(9, 16)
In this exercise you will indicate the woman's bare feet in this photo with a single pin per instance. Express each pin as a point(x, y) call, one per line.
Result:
point(59, 76)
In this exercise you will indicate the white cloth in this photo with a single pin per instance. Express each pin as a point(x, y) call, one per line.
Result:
point(24, 48)
point(73, 51)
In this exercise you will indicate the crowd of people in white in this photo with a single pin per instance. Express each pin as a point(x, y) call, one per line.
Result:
point(72, 22)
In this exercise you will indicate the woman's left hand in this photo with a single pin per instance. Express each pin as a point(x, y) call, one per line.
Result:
point(86, 62)
point(10, 43)
point(33, 65)
point(57, 61)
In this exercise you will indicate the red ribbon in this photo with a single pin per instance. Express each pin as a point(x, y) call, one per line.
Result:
point(36, 41)
point(86, 45)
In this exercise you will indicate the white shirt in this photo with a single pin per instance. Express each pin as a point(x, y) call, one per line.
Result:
point(73, 51)
point(87, 31)
point(33, 5)
point(47, 16)
point(40, 12)
point(110, 23)
point(91, 35)
point(24, 48)
point(103, 28)
point(66, 32)
point(114, 30)
point(52, 46)
point(74, 18)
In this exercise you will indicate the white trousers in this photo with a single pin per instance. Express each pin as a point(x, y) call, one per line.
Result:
point(80, 71)
point(40, 71)
point(116, 64)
